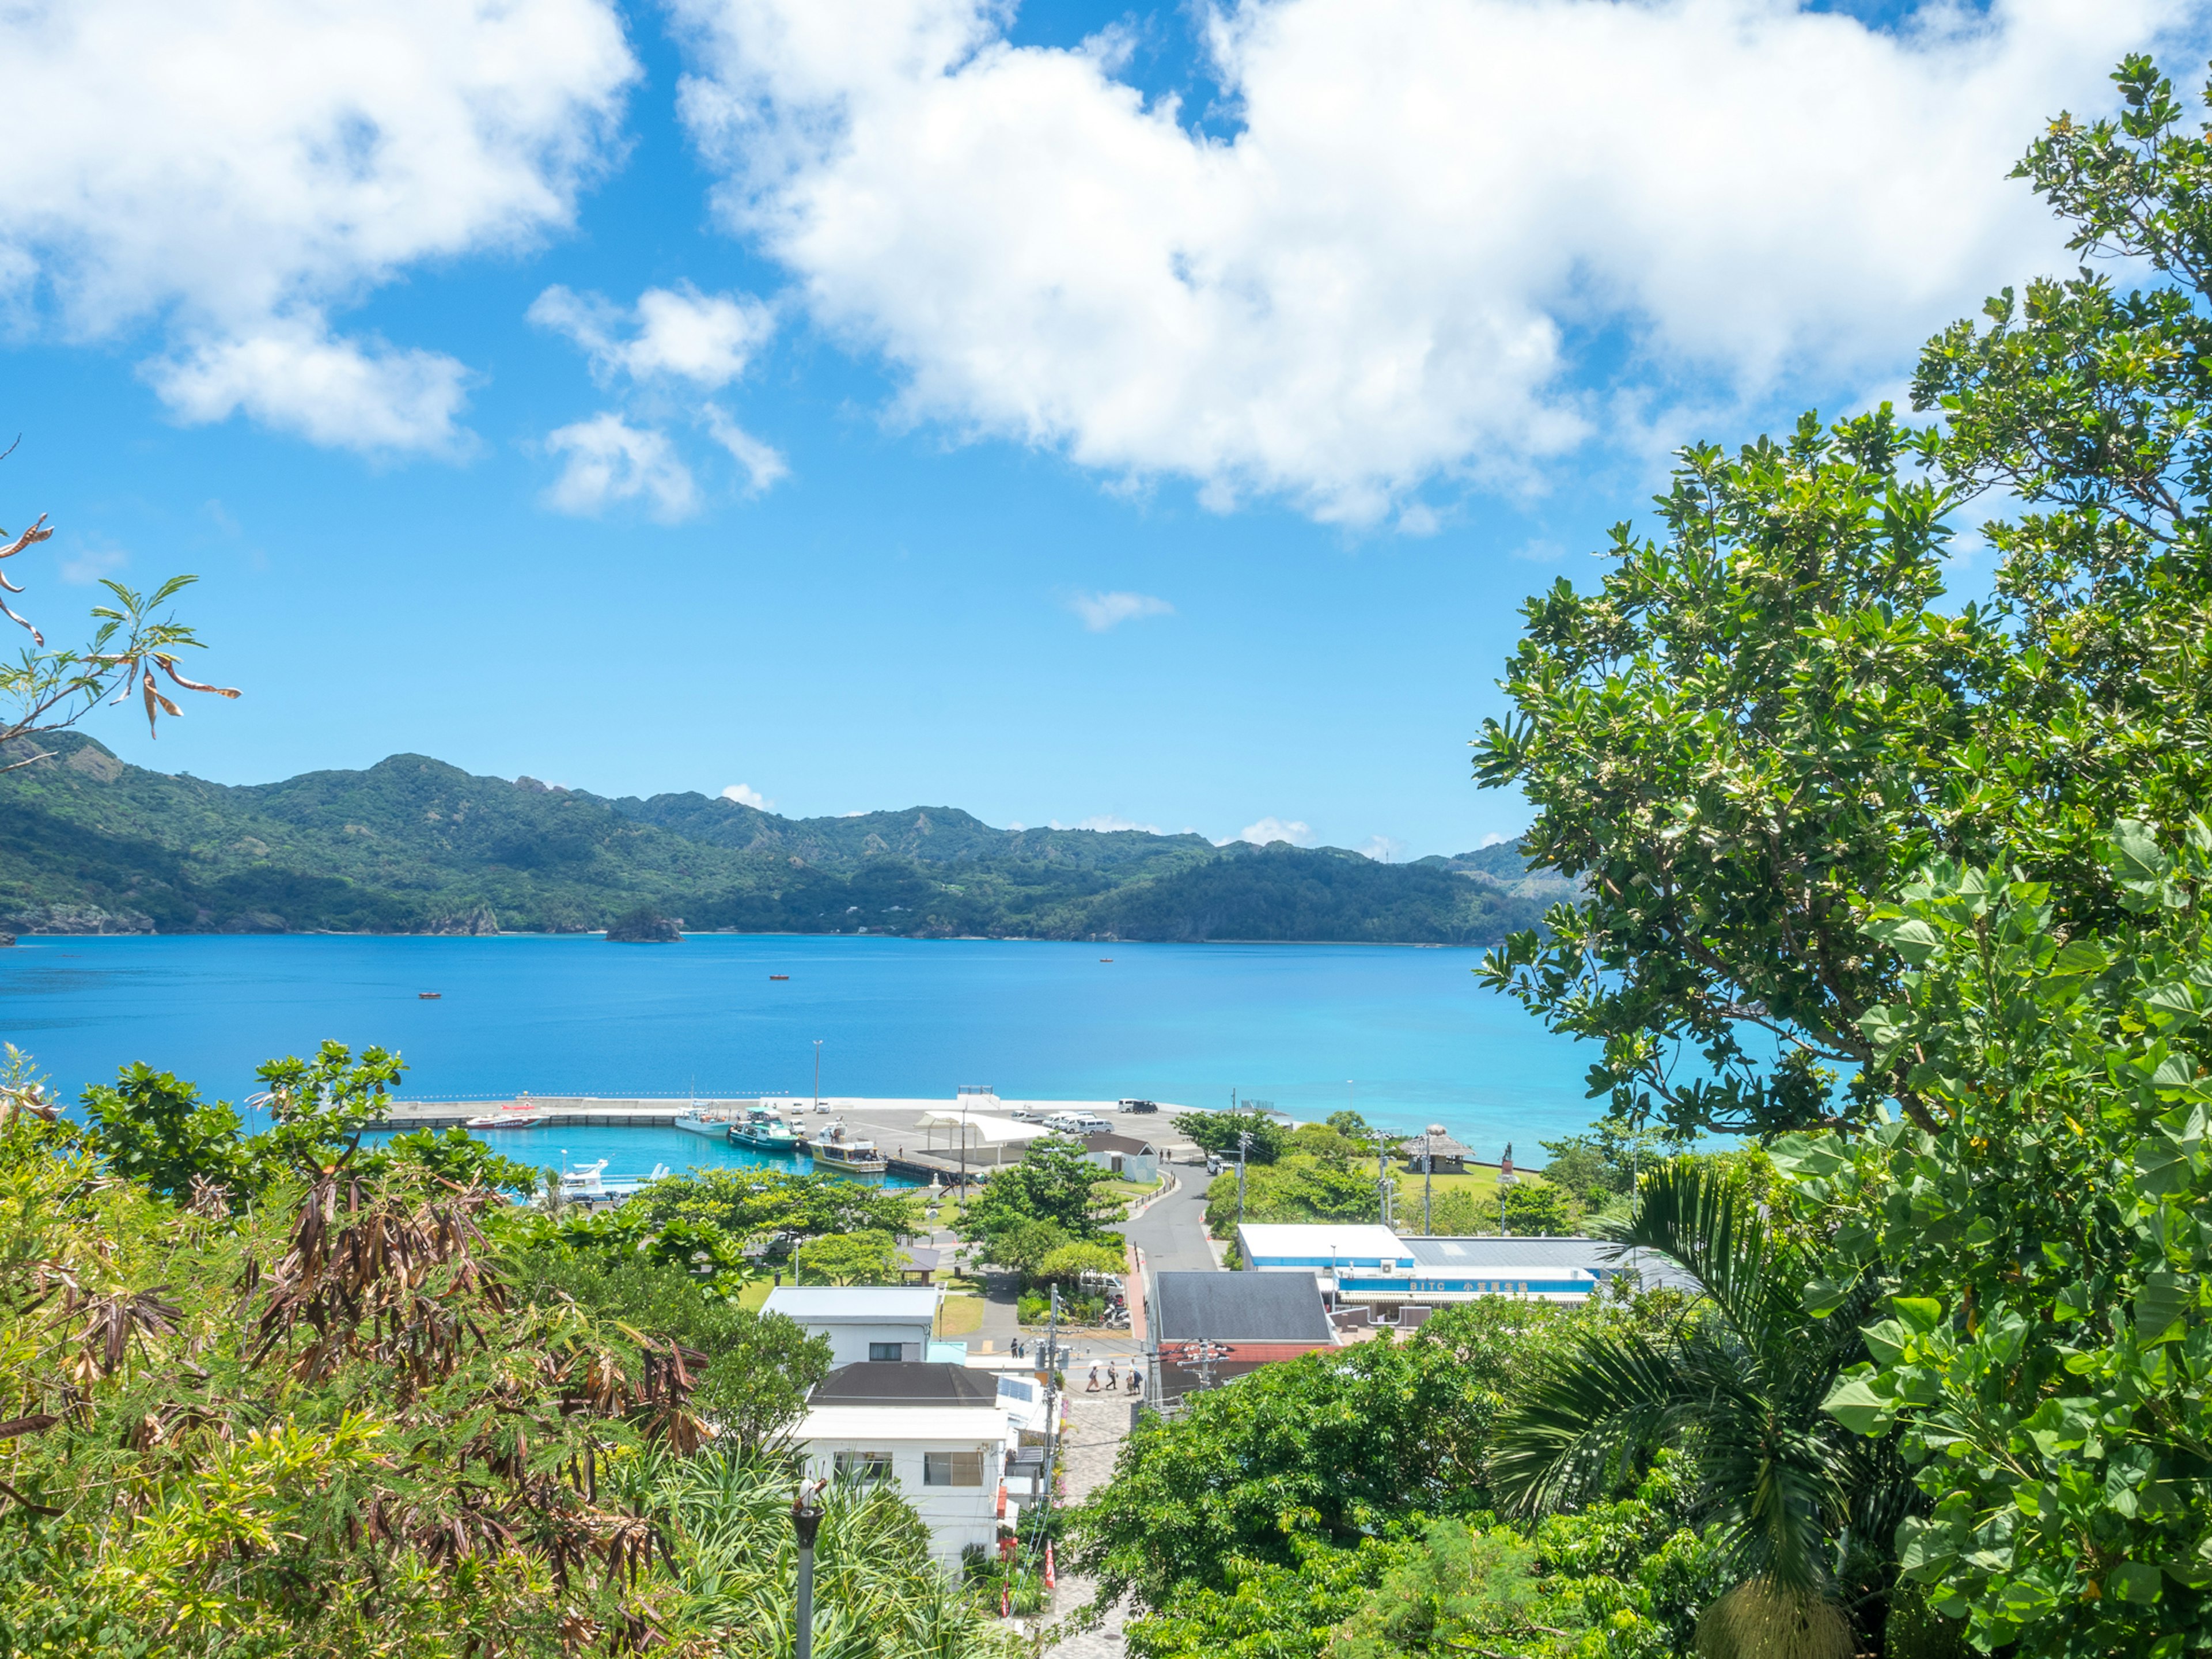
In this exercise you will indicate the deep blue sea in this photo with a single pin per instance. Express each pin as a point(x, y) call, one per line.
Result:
point(1404, 1034)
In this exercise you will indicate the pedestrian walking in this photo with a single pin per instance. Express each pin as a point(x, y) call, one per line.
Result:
point(1113, 1383)
point(1094, 1378)
point(1136, 1377)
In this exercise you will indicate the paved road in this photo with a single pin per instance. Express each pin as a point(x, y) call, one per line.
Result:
point(1172, 1233)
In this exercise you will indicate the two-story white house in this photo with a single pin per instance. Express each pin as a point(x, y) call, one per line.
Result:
point(951, 1438)
point(863, 1321)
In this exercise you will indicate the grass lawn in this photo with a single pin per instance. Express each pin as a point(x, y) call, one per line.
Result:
point(754, 1294)
point(960, 1316)
point(1127, 1189)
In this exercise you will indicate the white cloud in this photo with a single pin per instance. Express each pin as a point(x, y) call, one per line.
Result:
point(1272, 830)
point(1495, 838)
point(1101, 611)
point(606, 459)
point(86, 565)
point(235, 169)
point(705, 339)
point(764, 465)
point(1383, 849)
point(745, 795)
point(293, 374)
point(1539, 550)
point(1379, 279)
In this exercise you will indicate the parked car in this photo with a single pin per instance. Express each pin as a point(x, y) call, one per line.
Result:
point(1213, 1164)
point(1023, 1114)
point(1138, 1105)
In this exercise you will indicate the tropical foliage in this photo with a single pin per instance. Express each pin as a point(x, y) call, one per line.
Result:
point(343, 1406)
point(1801, 1511)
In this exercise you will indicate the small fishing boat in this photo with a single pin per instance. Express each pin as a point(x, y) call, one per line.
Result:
point(429, 996)
point(711, 1121)
point(779, 976)
point(517, 1116)
point(841, 1149)
point(764, 1132)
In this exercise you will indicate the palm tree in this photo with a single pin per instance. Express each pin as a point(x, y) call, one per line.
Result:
point(1804, 1509)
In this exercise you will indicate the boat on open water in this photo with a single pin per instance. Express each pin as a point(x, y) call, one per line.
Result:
point(713, 1121)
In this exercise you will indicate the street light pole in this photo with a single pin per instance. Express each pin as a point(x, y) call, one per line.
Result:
point(1383, 1185)
point(807, 1521)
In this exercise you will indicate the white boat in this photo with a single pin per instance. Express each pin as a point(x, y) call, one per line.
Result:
point(509, 1117)
point(854, 1154)
point(712, 1120)
point(584, 1181)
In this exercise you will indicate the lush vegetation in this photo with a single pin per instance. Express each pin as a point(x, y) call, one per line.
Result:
point(283, 1393)
point(1915, 895)
point(89, 843)
point(1046, 1218)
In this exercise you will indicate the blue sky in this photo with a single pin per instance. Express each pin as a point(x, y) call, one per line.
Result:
point(1071, 413)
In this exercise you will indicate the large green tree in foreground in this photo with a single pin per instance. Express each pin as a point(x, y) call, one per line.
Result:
point(1765, 711)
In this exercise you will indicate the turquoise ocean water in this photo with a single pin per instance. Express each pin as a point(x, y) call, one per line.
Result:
point(1407, 1035)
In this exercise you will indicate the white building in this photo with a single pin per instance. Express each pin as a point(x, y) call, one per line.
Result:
point(1365, 1263)
point(949, 1461)
point(862, 1322)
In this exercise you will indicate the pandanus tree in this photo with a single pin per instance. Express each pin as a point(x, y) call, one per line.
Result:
point(1804, 1510)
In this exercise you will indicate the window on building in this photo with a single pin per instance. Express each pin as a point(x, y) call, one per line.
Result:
point(886, 1350)
point(952, 1468)
point(864, 1467)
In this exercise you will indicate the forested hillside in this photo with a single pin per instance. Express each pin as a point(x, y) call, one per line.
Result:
point(412, 845)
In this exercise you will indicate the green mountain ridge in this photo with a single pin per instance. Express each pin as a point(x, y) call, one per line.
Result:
point(90, 843)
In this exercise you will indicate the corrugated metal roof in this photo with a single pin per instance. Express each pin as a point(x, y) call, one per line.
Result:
point(883, 1383)
point(1251, 1307)
point(890, 1423)
point(854, 1304)
point(1503, 1257)
point(1321, 1240)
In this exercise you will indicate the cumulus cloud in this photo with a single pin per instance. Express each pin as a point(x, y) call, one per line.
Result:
point(294, 375)
point(1272, 830)
point(1101, 611)
point(239, 169)
point(1379, 278)
point(679, 332)
point(605, 459)
point(745, 795)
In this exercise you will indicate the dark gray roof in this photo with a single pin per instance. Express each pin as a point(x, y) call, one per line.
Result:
point(1246, 1307)
point(1121, 1144)
point(893, 1383)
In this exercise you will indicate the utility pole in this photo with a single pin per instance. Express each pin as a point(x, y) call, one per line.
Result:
point(1243, 1140)
point(818, 1074)
point(1051, 1408)
point(807, 1521)
point(1428, 1169)
point(1504, 1180)
point(1384, 1187)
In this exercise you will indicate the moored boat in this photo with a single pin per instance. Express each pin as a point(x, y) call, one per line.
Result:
point(510, 1117)
point(764, 1132)
point(713, 1120)
point(840, 1149)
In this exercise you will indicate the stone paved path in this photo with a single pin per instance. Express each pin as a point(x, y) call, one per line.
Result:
point(1095, 1433)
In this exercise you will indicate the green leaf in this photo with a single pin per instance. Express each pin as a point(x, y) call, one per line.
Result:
point(1920, 1315)
point(2160, 1305)
point(2136, 1581)
point(1854, 1403)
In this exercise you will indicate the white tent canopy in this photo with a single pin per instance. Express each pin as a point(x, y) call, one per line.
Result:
point(986, 1138)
